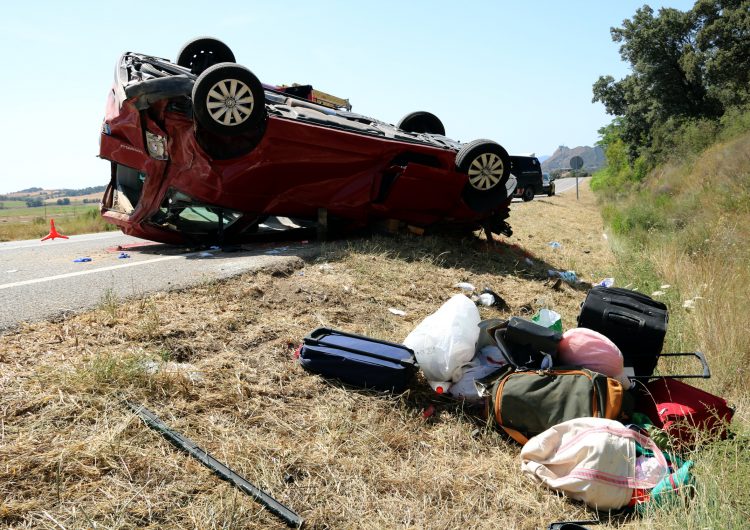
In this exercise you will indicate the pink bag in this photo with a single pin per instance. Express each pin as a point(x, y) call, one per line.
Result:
point(591, 460)
point(590, 349)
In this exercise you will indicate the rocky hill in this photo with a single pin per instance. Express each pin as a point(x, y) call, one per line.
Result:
point(593, 158)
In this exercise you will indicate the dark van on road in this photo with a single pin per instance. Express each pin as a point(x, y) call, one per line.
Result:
point(528, 173)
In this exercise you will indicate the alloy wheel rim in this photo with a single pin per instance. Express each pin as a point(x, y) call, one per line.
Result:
point(486, 171)
point(230, 102)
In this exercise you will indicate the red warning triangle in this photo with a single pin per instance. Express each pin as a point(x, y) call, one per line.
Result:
point(53, 233)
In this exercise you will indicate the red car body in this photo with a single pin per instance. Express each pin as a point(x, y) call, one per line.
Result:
point(297, 166)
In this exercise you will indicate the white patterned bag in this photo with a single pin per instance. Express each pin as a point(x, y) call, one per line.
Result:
point(591, 460)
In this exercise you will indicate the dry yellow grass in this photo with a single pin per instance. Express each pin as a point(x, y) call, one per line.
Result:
point(71, 456)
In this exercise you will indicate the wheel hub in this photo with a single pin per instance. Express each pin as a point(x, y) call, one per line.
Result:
point(230, 102)
point(486, 171)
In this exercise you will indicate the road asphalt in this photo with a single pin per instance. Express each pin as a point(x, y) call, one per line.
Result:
point(40, 280)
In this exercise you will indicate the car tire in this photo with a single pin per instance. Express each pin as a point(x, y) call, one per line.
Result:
point(487, 165)
point(528, 194)
point(229, 100)
point(421, 122)
point(202, 53)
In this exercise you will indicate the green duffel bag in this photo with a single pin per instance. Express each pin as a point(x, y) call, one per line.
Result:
point(527, 403)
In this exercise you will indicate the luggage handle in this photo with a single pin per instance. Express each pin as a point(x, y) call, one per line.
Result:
point(310, 340)
point(701, 357)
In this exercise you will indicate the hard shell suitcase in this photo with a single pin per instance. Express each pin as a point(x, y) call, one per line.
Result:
point(636, 323)
point(358, 360)
point(683, 410)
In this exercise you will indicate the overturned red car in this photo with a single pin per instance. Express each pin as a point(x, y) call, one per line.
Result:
point(202, 152)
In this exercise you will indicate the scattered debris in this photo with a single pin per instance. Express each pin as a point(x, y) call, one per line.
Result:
point(428, 412)
point(554, 244)
point(658, 293)
point(486, 299)
point(220, 469)
point(665, 286)
point(398, 312)
point(466, 286)
point(205, 255)
point(189, 371)
point(529, 261)
point(82, 260)
point(123, 255)
point(549, 319)
point(607, 282)
point(325, 267)
point(568, 276)
point(11, 271)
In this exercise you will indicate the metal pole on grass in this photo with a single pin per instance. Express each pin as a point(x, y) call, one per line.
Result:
point(576, 163)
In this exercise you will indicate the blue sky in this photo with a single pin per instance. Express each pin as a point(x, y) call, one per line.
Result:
point(519, 73)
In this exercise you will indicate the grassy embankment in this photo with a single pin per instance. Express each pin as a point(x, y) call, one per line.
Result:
point(687, 225)
point(18, 221)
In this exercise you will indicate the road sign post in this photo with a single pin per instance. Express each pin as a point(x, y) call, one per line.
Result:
point(576, 163)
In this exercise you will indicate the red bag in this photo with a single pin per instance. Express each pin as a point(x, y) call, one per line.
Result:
point(681, 410)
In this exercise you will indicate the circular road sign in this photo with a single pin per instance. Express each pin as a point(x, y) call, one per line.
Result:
point(576, 162)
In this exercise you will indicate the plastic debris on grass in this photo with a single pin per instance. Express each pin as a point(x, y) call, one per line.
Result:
point(606, 282)
point(397, 312)
point(567, 276)
point(82, 260)
point(123, 255)
point(554, 244)
point(466, 286)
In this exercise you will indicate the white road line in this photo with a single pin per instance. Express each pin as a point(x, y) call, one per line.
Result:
point(73, 239)
point(92, 271)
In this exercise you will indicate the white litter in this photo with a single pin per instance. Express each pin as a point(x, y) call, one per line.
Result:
point(12, 271)
point(486, 299)
point(466, 286)
point(395, 311)
point(665, 286)
point(689, 304)
point(657, 293)
point(205, 255)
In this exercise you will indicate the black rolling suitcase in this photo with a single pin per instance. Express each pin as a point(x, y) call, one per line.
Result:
point(636, 323)
point(358, 360)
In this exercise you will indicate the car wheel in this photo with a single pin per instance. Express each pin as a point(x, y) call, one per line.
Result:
point(528, 194)
point(487, 165)
point(203, 52)
point(421, 122)
point(228, 100)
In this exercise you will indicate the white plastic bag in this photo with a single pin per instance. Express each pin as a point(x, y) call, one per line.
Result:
point(446, 340)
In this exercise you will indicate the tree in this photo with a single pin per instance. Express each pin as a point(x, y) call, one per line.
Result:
point(685, 66)
point(723, 45)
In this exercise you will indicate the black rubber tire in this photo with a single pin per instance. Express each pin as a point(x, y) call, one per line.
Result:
point(240, 122)
point(484, 193)
point(203, 52)
point(528, 194)
point(421, 122)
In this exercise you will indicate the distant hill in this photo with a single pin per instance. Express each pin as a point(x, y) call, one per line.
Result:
point(42, 194)
point(593, 158)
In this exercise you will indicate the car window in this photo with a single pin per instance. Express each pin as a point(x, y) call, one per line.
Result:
point(179, 212)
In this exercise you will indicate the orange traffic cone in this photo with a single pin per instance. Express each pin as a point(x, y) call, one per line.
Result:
point(53, 233)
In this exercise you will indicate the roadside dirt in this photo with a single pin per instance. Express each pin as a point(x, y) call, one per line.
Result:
point(216, 363)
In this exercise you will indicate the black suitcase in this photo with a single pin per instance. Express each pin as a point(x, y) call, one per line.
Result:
point(358, 360)
point(636, 323)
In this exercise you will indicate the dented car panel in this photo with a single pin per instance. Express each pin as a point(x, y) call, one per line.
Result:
point(171, 181)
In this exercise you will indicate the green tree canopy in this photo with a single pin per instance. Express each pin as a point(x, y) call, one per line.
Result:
point(685, 65)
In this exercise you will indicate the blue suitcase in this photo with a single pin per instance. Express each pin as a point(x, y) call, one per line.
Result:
point(357, 360)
